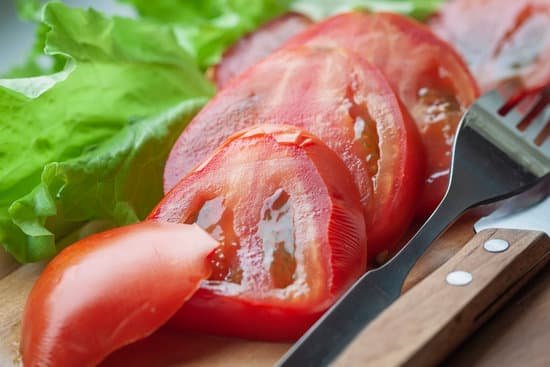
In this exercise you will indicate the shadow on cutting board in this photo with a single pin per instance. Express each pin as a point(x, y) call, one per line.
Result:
point(172, 348)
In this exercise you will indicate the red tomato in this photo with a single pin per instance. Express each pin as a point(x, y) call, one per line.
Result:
point(111, 289)
point(427, 74)
point(255, 46)
point(503, 41)
point(288, 214)
point(345, 102)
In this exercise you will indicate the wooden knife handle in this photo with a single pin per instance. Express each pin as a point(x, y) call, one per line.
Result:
point(434, 317)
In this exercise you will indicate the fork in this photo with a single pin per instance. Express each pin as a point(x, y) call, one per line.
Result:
point(499, 151)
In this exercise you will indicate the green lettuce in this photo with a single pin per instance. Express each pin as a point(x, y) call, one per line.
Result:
point(37, 63)
point(206, 28)
point(85, 138)
point(89, 142)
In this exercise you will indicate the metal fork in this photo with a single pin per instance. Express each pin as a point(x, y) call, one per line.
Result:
point(492, 160)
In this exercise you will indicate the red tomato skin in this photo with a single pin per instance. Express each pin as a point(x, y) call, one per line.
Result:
point(332, 260)
point(209, 313)
point(394, 218)
point(494, 36)
point(111, 289)
point(299, 87)
point(256, 45)
point(408, 54)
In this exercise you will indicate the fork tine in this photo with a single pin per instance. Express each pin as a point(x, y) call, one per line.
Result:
point(524, 110)
point(538, 123)
point(508, 113)
point(492, 102)
point(545, 148)
point(512, 118)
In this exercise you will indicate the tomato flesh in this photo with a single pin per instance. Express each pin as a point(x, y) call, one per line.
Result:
point(255, 46)
point(288, 215)
point(111, 289)
point(426, 73)
point(341, 99)
point(505, 42)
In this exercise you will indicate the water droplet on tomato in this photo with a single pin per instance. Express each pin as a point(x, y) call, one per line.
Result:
point(436, 106)
point(358, 128)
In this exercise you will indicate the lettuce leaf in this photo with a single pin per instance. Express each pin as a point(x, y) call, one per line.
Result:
point(37, 63)
point(89, 142)
point(206, 28)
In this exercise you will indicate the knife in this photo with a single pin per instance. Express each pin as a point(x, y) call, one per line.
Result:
point(435, 316)
point(430, 320)
point(492, 160)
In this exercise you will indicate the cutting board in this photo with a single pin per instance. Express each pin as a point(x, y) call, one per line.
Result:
point(173, 348)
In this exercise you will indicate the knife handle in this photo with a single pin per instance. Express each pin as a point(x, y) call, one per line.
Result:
point(431, 319)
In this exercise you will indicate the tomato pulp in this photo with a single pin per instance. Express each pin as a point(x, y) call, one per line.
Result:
point(341, 99)
point(428, 75)
point(287, 213)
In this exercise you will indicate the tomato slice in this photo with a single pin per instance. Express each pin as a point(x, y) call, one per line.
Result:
point(341, 99)
point(427, 74)
point(256, 45)
point(288, 214)
point(111, 289)
point(503, 41)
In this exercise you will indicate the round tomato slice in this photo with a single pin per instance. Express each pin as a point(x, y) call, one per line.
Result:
point(341, 99)
point(503, 41)
point(256, 45)
point(288, 214)
point(111, 289)
point(427, 74)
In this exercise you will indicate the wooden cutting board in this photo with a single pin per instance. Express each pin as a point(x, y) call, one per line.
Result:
point(522, 329)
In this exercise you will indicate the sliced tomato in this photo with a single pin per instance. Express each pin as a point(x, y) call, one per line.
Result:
point(503, 41)
point(256, 45)
point(111, 289)
point(427, 74)
point(288, 214)
point(341, 99)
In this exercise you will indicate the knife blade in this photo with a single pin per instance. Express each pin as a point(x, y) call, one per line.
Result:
point(364, 301)
point(535, 217)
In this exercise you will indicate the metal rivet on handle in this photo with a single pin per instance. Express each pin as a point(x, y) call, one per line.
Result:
point(496, 245)
point(459, 278)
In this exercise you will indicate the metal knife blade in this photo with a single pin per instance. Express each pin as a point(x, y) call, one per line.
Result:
point(425, 324)
point(535, 218)
point(366, 298)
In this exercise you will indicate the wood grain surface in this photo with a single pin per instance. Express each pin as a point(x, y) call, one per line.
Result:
point(518, 335)
point(432, 318)
point(176, 349)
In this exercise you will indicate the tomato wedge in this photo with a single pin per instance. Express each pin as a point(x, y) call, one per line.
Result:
point(427, 74)
point(341, 99)
point(288, 214)
point(256, 45)
point(505, 42)
point(111, 289)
